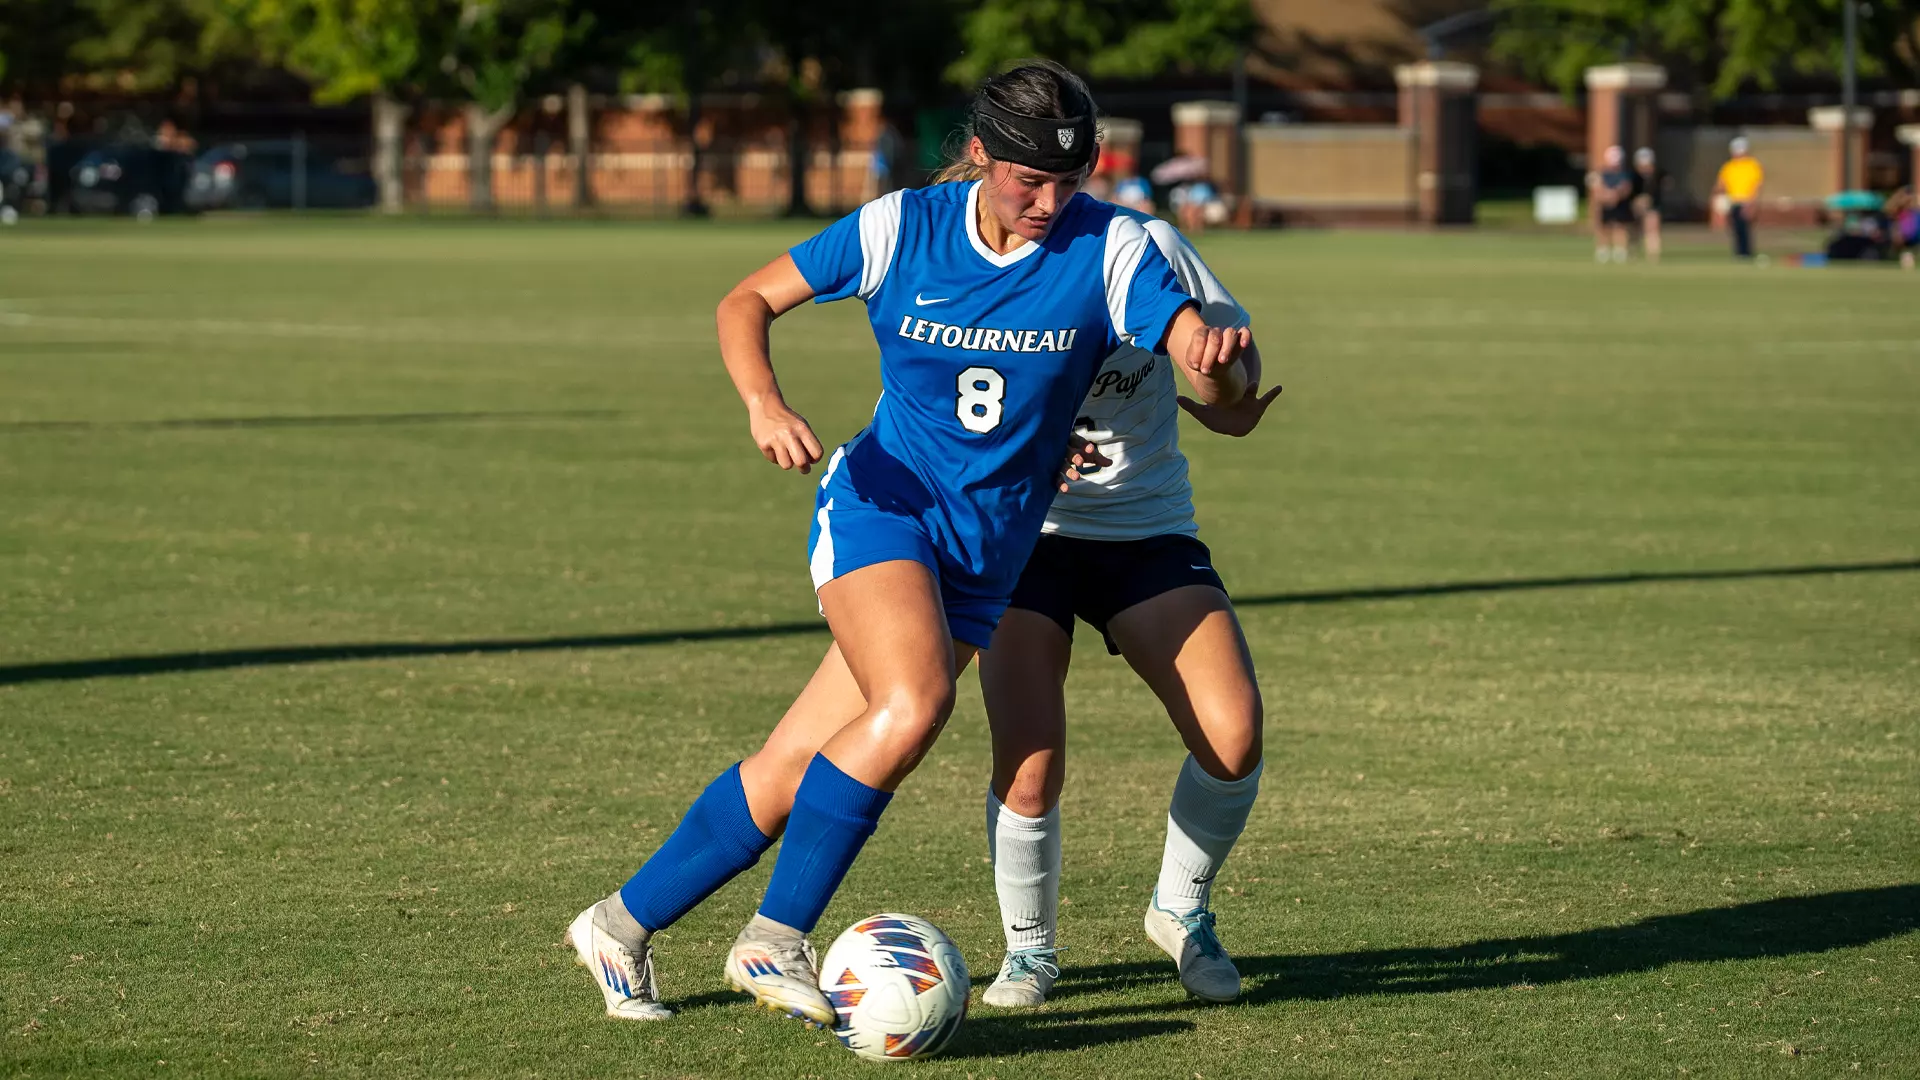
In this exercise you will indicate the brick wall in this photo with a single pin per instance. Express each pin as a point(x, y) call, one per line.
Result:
point(642, 153)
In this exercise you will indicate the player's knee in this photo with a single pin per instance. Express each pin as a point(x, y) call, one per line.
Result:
point(915, 713)
point(1237, 764)
point(774, 771)
point(1032, 796)
point(1234, 742)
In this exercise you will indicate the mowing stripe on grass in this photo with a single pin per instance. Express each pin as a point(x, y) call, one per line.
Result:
point(27, 427)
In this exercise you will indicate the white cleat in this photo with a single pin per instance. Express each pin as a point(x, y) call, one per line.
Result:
point(1205, 968)
point(1025, 977)
point(781, 973)
point(626, 980)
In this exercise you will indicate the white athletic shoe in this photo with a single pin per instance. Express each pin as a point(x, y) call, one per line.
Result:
point(1205, 968)
point(1025, 977)
point(782, 973)
point(626, 980)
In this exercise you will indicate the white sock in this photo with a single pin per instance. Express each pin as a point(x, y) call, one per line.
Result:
point(1619, 253)
point(1026, 873)
point(1203, 821)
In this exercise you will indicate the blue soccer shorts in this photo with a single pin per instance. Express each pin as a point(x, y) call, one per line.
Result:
point(850, 532)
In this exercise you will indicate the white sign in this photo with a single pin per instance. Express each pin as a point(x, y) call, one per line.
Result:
point(1556, 205)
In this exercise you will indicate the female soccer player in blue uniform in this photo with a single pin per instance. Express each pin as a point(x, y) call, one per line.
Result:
point(994, 304)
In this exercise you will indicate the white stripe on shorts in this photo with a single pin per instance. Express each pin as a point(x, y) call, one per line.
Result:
point(821, 565)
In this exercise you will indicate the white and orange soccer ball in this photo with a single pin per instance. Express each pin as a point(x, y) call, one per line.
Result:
point(898, 986)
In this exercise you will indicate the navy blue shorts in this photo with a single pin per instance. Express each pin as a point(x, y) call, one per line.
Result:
point(1068, 577)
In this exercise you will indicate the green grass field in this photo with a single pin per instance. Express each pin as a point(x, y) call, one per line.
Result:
point(375, 596)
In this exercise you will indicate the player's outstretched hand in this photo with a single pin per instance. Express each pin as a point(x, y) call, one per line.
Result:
point(1080, 454)
point(784, 437)
point(1237, 419)
point(1212, 348)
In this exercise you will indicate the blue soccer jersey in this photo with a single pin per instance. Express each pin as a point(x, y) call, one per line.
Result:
point(984, 358)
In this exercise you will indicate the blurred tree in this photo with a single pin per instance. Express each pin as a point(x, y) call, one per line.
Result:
point(488, 52)
point(1721, 45)
point(827, 46)
point(496, 52)
point(1118, 39)
point(805, 39)
point(135, 46)
point(684, 52)
point(349, 49)
point(1764, 37)
point(1558, 40)
point(36, 41)
point(143, 45)
point(803, 54)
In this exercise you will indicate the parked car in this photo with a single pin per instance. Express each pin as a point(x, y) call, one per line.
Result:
point(143, 181)
point(16, 185)
point(54, 178)
point(261, 175)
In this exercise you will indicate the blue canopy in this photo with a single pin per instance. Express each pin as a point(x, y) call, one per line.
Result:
point(1855, 201)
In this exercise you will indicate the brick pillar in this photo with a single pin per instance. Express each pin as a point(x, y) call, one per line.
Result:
point(647, 120)
point(860, 117)
point(1622, 108)
point(1437, 104)
point(1910, 135)
point(1211, 129)
point(851, 174)
point(1832, 119)
point(580, 144)
point(1120, 137)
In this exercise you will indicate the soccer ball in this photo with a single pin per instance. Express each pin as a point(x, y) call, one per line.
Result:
point(898, 985)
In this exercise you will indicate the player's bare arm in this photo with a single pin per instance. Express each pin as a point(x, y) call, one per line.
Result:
point(1210, 357)
point(1240, 418)
point(743, 319)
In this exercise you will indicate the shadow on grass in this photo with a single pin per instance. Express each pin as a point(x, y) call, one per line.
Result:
point(1006, 1034)
point(217, 423)
point(995, 1034)
point(1789, 926)
point(1647, 577)
point(169, 663)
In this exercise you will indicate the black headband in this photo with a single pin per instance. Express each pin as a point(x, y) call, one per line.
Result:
point(1049, 144)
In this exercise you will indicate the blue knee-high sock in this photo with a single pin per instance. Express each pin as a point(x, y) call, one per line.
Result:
point(833, 814)
point(714, 842)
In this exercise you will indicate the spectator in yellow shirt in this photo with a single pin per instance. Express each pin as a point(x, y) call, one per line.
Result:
point(1739, 181)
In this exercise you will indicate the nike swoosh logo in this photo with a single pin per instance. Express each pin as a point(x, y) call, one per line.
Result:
point(1024, 929)
point(1199, 567)
point(1204, 880)
point(924, 301)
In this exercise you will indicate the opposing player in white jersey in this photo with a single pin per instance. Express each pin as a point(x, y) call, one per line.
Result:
point(1121, 551)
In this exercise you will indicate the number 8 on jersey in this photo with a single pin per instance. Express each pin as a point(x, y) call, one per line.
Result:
point(981, 390)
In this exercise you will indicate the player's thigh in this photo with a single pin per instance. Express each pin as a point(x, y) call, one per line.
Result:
point(891, 626)
point(830, 701)
point(1023, 680)
point(1186, 644)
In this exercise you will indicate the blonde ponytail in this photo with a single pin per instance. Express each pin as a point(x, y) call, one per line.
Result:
point(958, 168)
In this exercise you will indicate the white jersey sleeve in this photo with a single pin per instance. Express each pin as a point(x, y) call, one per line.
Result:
point(1132, 414)
point(1217, 305)
point(851, 257)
